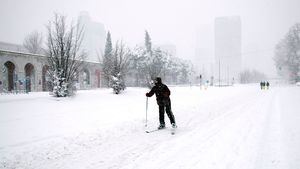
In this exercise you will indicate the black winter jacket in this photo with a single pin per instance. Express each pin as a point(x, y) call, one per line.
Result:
point(162, 93)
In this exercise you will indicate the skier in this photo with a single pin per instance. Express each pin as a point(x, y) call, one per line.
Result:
point(267, 84)
point(162, 93)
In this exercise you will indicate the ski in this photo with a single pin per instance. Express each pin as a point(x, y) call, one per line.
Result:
point(173, 130)
point(154, 130)
point(151, 131)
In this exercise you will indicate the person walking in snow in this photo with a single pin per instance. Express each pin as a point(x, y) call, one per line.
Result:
point(162, 93)
point(263, 85)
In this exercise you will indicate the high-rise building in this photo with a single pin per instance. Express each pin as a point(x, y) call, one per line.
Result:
point(228, 59)
point(94, 37)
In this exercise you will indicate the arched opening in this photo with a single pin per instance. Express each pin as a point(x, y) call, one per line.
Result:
point(9, 75)
point(46, 82)
point(29, 77)
point(86, 77)
point(98, 76)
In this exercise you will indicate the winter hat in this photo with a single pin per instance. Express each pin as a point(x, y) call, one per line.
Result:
point(158, 80)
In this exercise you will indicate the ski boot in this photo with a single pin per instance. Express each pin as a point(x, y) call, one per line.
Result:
point(161, 126)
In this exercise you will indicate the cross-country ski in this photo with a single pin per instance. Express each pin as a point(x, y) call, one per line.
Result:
point(172, 130)
point(151, 131)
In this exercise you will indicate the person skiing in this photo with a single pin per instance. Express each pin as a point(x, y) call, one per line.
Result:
point(162, 93)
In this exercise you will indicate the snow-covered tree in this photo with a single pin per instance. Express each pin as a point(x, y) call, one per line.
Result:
point(149, 62)
point(137, 65)
point(33, 42)
point(107, 60)
point(153, 60)
point(287, 54)
point(148, 66)
point(118, 83)
point(157, 63)
point(178, 70)
point(65, 58)
point(185, 71)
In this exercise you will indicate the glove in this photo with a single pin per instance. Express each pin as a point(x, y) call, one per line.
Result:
point(147, 94)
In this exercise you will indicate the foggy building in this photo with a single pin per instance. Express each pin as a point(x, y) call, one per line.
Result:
point(94, 37)
point(228, 58)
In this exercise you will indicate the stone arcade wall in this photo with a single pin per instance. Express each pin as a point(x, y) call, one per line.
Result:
point(19, 71)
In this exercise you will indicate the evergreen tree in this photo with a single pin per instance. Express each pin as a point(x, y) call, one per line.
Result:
point(154, 59)
point(108, 45)
point(148, 43)
point(108, 59)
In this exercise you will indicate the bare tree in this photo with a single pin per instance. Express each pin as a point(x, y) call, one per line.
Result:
point(121, 57)
point(65, 58)
point(33, 42)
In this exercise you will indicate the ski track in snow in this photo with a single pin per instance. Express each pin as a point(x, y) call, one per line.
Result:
point(221, 128)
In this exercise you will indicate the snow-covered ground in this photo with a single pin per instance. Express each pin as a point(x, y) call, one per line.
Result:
point(240, 127)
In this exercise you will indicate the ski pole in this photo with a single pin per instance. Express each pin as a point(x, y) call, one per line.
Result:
point(146, 111)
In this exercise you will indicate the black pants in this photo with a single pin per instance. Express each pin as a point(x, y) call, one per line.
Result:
point(165, 107)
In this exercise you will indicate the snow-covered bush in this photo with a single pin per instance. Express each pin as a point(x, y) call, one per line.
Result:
point(118, 83)
point(62, 88)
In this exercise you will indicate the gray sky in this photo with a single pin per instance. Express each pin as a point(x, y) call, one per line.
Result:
point(264, 22)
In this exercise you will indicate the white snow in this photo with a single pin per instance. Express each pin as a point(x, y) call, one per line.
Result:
point(240, 127)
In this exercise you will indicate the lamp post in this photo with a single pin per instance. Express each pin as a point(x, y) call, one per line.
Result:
point(200, 77)
point(219, 72)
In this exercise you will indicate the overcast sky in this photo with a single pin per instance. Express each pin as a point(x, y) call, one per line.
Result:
point(264, 22)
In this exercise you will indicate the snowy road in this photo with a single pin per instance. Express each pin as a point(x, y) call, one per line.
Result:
point(219, 128)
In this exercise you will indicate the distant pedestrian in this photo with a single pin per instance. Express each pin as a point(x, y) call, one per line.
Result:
point(267, 84)
point(264, 85)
